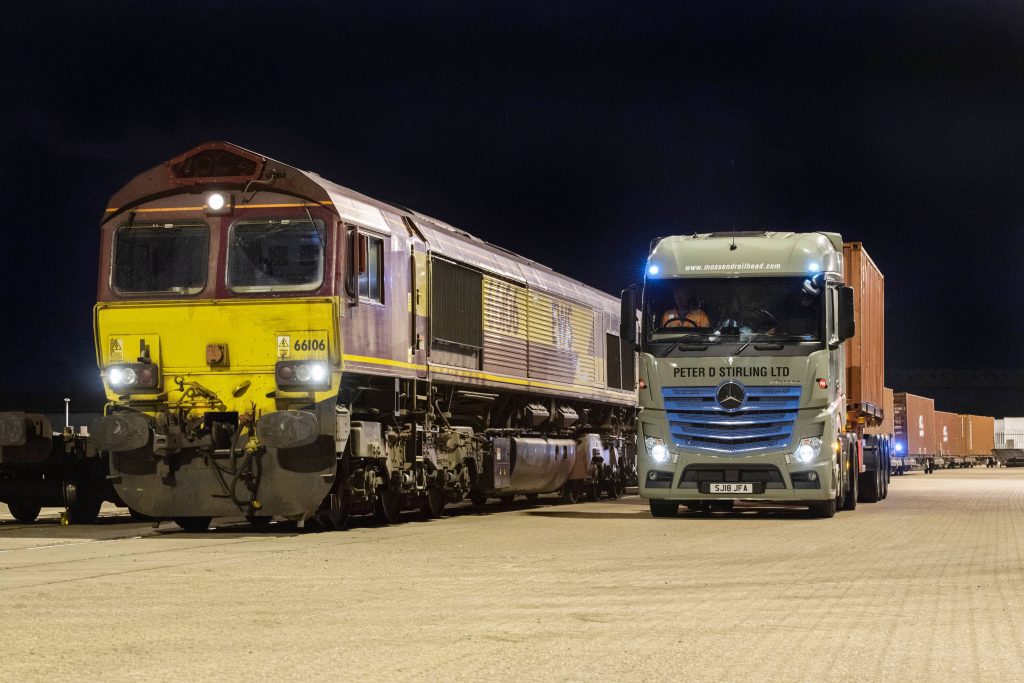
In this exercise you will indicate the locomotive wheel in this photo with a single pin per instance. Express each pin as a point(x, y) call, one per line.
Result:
point(532, 497)
point(433, 503)
point(138, 516)
point(507, 499)
point(570, 492)
point(335, 516)
point(479, 499)
point(25, 513)
point(83, 506)
point(388, 506)
point(193, 525)
point(593, 490)
point(610, 488)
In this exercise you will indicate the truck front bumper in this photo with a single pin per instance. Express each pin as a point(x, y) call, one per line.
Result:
point(766, 477)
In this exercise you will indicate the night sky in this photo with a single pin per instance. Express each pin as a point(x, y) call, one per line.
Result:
point(570, 132)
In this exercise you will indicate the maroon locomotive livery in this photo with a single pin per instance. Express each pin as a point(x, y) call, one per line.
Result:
point(274, 344)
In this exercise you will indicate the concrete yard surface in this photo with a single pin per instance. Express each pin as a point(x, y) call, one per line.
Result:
point(924, 586)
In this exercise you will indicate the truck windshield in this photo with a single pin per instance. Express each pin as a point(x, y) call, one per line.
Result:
point(160, 258)
point(703, 310)
point(276, 256)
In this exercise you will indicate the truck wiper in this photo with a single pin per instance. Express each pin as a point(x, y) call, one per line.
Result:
point(756, 337)
point(695, 342)
point(767, 336)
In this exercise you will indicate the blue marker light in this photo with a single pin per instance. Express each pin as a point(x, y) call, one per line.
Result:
point(653, 269)
point(899, 448)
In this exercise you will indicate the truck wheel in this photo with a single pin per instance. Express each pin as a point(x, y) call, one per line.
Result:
point(852, 477)
point(664, 508)
point(193, 525)
point(25, 513)
point(823, 510)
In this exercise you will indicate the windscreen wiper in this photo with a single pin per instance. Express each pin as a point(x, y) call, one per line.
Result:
point(766, 336)
point(695, 342)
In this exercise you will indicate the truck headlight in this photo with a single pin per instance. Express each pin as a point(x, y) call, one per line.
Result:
point(303, 375)
point(657, 448)
point(806, 451)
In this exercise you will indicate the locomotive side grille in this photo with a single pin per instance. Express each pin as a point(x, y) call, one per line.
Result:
point(214, 163)
point(764, 421)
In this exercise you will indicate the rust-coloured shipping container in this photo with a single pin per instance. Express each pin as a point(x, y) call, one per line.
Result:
point(886, 426)
point(865, 351)
point(914, 423)
point(979, 434)
point(949, 440)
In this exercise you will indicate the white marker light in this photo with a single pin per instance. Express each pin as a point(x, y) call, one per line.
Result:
point(319, 372)
point(653, 269)
point(215, 202)
point(114, 376)
point(813, 267)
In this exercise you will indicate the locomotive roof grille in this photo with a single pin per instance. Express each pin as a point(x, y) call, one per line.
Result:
point(214, 163)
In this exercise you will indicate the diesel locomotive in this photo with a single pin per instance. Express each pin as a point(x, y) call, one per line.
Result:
point(275, 345)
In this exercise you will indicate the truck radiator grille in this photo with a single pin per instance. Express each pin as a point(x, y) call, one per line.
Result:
point(764, 421)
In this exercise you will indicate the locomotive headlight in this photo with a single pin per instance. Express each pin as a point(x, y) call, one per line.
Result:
point(318, 371)
point(806, 451)
point(130, 376)
point(219, 204)
point(657, 448)
point(303, 375)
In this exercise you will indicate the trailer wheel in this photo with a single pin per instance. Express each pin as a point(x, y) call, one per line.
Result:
point(871, 486)
point(25, 513)
point(664, 508)
point(193, 525)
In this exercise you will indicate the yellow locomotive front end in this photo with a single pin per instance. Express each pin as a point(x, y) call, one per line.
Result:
point(217, 338)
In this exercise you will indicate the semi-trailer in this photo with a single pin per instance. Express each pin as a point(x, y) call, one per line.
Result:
point(761, 367)
point(914, 428)
point(899, 463)
point(949, 442)
point(978, 438)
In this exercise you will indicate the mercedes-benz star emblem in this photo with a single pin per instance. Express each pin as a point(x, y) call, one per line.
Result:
point(731, 395)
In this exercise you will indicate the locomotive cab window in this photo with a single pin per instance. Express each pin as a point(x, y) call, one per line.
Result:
point(164, 258)
point(371, 268)
point(276, 256)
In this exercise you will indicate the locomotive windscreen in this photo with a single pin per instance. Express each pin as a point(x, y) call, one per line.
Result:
point(270, 255)
point(165, 257)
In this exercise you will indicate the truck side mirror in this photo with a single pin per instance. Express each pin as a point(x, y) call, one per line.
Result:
point(847, 323)
point(627, 316)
